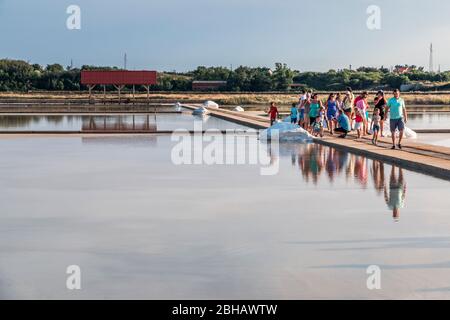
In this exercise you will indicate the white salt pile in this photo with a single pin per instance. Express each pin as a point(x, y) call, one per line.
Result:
point(210, 104)
point(287, 132)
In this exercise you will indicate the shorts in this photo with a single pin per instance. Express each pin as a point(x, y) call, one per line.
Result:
point(358, 125)
point(302, 114)
point(376, 127)
point(397, 124)
point(312, 119)
point(293, 120)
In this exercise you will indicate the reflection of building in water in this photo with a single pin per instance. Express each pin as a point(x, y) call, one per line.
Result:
point(24, 121)
point(102, 140)
point(118, 123)
point(315, 159)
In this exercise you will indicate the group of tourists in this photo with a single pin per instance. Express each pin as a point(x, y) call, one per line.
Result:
point(344, 113)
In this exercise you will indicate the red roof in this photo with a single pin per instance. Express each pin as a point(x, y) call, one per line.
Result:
point(118, 77)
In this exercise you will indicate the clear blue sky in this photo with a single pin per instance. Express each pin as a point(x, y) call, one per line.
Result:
point(181, 34)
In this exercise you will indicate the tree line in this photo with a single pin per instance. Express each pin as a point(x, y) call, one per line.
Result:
point(16, 75)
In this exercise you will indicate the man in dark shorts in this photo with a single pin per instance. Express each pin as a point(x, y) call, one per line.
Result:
point(398, 116)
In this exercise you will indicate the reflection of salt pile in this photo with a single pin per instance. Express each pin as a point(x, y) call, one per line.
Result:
point(286, 132)
point(210, 104)
point(200, 111)
point(239, 109)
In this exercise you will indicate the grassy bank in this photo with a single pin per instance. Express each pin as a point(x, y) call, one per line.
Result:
point(221, 98)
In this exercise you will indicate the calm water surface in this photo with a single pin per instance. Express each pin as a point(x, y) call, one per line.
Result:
point(160, 122)
point(142, 227)
point(438, 139)
point(429, 121)
point(163, 121)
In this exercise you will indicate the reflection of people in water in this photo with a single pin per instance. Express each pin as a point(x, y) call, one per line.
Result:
point(313, 160)
point(397, 193)
point(378, 176)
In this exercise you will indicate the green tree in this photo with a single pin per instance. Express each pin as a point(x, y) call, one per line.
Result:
point(282, 77)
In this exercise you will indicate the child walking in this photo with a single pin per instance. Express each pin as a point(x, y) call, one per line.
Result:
point(376, 120)
point(294, 113)
point(273, 113)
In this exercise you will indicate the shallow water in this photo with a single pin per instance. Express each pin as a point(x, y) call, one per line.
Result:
point(438, 139)
point(141, 227)
point(429, 121)
point(127, 122)
point(163, 121)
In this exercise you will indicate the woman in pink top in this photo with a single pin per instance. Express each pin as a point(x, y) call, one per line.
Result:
point(362, 106)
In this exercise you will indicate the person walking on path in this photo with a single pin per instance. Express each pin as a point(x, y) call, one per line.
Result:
point(398, 117)
point(315, 108)
point(294, 113)
point(347, 105)
point(301, 108)
point(380, 104)
point(376, 120)
point(307, 106)
point(273, 113)
point(332, 112)
point(361, 107)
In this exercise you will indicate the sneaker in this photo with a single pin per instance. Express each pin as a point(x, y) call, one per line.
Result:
point(400, 146)
point(393, 148)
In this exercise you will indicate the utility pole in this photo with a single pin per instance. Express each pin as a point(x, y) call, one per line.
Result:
point(431, 67)
point(125, 61)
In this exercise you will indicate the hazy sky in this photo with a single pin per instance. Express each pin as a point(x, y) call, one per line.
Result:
point(182, 34)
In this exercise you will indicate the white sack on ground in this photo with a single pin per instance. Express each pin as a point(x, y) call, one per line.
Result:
point(287, 132)
point(210, 104)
